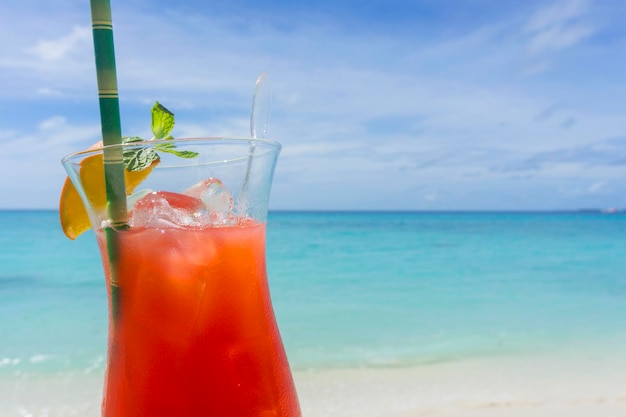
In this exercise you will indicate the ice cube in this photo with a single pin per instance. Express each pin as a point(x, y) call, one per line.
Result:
point(166, 210)
point(136, 196)
point(217, 201)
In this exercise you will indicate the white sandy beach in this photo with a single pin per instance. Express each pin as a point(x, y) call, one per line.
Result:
point(507, 386)
point(511, 387)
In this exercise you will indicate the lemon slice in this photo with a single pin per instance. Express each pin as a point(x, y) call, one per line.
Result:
point(73, 215)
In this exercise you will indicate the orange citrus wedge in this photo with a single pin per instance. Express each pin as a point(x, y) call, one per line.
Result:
point(74, 217)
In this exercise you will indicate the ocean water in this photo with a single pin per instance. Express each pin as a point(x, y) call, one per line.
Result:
point(353, 290)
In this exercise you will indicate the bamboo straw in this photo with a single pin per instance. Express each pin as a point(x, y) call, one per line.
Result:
point(111, 135)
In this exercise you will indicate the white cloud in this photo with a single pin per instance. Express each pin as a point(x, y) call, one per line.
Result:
point(59, 49)
point(559, 37)
point(31, 170)
point(49, 92)
point(53, 134)
point(558, 13)
point(52, 123)
point(227, 126)
point(559, 25)
point(597, 187)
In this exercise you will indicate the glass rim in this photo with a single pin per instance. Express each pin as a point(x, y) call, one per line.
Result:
point(211, 139)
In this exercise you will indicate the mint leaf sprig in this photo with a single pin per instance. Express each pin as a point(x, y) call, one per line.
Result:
point(162, 122)
point(162, 125)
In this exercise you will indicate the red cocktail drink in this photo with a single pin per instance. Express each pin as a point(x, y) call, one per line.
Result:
point(195, 333)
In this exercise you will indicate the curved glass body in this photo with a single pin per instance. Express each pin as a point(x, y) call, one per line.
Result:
point(192, 331)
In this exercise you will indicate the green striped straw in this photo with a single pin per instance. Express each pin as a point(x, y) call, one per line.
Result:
point(109, 111)
point(111, 133)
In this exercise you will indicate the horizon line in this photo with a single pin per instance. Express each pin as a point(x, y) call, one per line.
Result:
point(426, 211)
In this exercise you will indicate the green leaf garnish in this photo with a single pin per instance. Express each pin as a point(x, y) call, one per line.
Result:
point(139, 159)
point(170, 148)
point(162, 121)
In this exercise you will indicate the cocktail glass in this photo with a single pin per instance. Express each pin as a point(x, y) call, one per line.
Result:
point(192, 330)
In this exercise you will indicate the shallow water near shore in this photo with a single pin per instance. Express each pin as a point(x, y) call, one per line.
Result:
point(371, 292)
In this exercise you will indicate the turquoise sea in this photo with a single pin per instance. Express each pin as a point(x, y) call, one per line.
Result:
point(353, 289)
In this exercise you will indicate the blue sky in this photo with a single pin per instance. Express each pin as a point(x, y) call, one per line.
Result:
point(397, 104)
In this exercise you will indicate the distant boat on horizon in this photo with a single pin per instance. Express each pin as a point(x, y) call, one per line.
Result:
point(613, 210)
